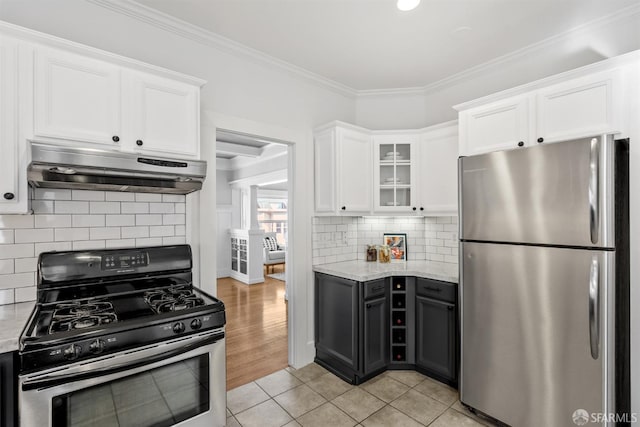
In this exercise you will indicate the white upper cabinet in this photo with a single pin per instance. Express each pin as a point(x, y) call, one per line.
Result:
point(574, 108)
point(394, 172)
point(581, 107)
point(500, 125)
point(13, 188)
point(164, 115)
point(438, 184)
point(343, 170)
point(79, 99)
point(76, 98)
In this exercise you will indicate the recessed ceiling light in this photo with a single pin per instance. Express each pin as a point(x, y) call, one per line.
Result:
point(406, 5)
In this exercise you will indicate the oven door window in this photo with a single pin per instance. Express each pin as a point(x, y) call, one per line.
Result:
point(162, 396)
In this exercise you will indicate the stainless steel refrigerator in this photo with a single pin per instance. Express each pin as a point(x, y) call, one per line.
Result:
point(544, 269)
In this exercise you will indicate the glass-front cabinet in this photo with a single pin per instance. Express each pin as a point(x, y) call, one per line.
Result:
point(394, 173)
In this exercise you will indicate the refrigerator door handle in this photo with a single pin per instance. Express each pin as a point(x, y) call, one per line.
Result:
point(594, 190)
point(594, 308)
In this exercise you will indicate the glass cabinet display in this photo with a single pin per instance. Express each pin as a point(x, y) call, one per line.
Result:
point(394, 173)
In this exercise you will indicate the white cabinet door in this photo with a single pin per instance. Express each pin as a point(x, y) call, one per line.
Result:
point(438, 163)
point(394, 173)
point(76, 98)
point(13, 187)
point(164, 116)
point(502, 125)
point(354, 171)
point(581, 107)
point(324, 151)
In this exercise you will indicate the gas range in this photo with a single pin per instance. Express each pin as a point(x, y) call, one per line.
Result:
point(96, 303)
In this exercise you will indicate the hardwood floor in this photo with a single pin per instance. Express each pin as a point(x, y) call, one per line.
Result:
point(256, 331)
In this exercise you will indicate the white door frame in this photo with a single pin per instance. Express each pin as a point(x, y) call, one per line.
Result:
point(299, 275)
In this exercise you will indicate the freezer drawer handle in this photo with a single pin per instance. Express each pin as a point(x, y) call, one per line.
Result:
point(594, 196)
point(594, 311)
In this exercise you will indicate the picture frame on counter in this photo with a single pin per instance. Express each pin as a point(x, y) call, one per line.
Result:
point(397, 243)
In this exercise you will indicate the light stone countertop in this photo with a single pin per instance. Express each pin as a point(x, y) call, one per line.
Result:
point(13, 318)
point(363, 271)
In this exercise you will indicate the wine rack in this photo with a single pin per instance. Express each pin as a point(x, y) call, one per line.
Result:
point(398, 319)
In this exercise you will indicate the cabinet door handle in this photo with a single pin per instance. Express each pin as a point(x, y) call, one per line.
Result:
point(9, 196)
point(429, 288)
point(414, 208)
point(115, 138)
point(421, 208)
point(541, 139)
point(344, 208)
point(368, 305)
point(521, 144)
point(139, 143)
point(450, 308)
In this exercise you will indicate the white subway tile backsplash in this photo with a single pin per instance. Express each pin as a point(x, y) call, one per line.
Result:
point(174, 198)
point(71, 207)
point(148, 197)
point(87, 195)
point(116, 196)
point(51, 194)
point(51, 221)
point(7, 296)
point(6, 266)
point(71, 234)
point(25, 265)
point(48, 247)
point(175, 240)
point(104, 207)
point(81, 245)
point(7, 236)
point(42, 206)
point(19, 280)
point(34, 235)
point(16, 221)
point(23, 250)
point(134, 208)
point(80, 220)
point(154, 219)
point(153, 241)
point(103, 233)
point(25, 294)
point(134, 232)
point(162, 208)
point(161, 231)
point(120, 243)
point(87, 221)
point(120, 220)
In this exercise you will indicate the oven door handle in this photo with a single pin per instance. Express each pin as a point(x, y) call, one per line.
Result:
point(63, 379)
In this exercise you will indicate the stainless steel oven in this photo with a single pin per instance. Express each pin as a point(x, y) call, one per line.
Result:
point(173, 382)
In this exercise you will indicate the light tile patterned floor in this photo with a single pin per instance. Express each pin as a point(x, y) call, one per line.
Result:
point(312, 396)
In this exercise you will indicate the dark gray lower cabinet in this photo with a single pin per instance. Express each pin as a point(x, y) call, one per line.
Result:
point(437, 330)
point(375, 352)
point(337, 323)
point(8, 389)
point(358, 325)
point(352, 326)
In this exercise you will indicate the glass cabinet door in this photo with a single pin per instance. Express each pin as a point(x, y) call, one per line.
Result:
point(394, 174)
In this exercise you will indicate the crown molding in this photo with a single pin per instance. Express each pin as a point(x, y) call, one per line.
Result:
point(182, 28)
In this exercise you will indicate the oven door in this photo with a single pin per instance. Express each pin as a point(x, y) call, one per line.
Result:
point(177, 382)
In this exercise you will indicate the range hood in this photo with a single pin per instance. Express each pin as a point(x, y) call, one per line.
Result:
point(54, 166)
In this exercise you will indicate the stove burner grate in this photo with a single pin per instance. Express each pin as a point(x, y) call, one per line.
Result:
point(172, 299)
point(81, 315)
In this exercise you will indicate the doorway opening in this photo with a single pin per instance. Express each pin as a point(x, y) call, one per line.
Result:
point(252, 194)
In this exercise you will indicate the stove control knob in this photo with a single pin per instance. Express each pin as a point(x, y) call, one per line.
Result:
point(72, 352)
point(178, 327)
point(97, 346)
point(196, 324)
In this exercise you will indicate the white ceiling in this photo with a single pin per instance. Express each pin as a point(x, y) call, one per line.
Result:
point(369, 44)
